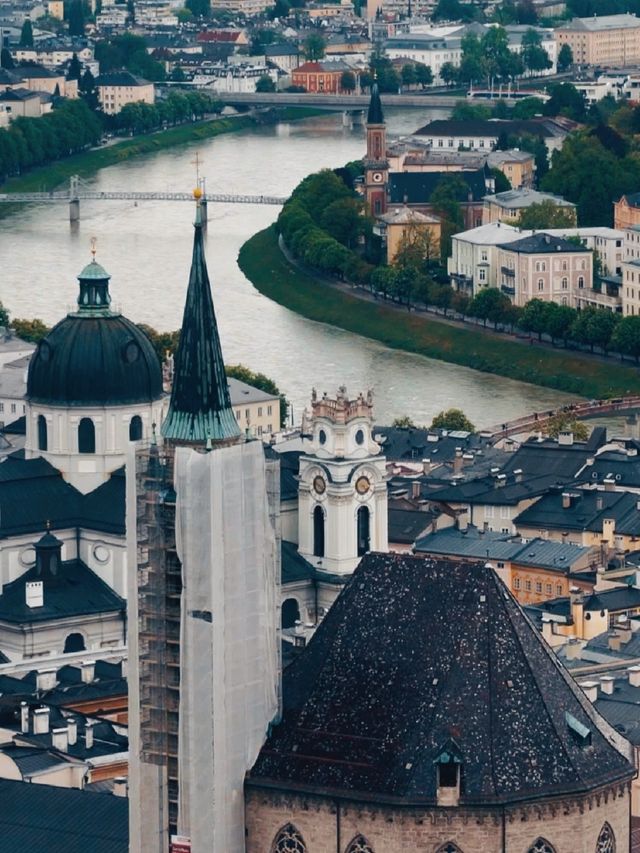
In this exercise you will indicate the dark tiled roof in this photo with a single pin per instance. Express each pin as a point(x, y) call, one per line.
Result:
point(482, 127)
point(35, 72)
point(486, 490)
point(74, 591)
point(405, 526)
point(289, 468)
point(413, 654)
point(30, 760)
point(417, 187)
point(18, 95)
point(587, 512)
point(617, 465)
point(46, 819)
point(104, 507)
point(294, 566)
point(542, 244)
point(120, 78)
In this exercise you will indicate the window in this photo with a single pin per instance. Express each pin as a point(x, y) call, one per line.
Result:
point(516, 583)
point(238, 415)
point(540, 284)
point(86, 436)
point(606, 840)
point(564, 266)
point(538, 586)
point(74, 643)
point(449, 847)
point(558, 589)
point(549, 589)
point(135, 428)
point(269, 412)
point(247, 413)
point(488, 511)
point(581, 281)
point(541, 845)
point(318, 532)
point(363, 519)
point(527, 586)
point(259, 411)
point(359, 845)
point(288, 840)
point(13, 408)
point(290, 613)
point(1, 407)
point(565, 283)
point(482, 274)
point(42, 433)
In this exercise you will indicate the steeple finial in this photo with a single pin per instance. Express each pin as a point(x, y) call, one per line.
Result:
point(200, 407)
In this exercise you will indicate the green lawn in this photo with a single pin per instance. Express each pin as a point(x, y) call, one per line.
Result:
point(264, 265)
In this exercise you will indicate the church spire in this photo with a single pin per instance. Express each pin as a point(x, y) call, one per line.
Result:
point(200, 407)
point(375, 116)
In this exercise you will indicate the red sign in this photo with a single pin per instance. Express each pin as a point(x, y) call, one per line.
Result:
point(180, 844)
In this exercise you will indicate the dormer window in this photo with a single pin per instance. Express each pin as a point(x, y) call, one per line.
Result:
point(448, 766)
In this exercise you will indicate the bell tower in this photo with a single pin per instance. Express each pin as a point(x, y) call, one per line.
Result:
point(342, 492)
point(376, 167)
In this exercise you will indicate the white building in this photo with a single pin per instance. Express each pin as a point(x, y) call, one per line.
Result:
point(607, 243)
point(473, 263)
point(240, 78)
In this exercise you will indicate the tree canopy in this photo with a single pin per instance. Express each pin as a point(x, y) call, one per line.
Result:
point(547, 214)
point(453, 419)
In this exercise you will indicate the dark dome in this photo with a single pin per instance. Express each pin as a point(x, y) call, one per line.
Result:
point(94, 361)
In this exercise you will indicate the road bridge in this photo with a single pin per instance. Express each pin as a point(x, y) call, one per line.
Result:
point(334, 102)
point(78, 191)
point(581, 411)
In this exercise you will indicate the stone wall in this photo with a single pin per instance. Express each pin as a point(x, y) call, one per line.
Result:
point(571, 825)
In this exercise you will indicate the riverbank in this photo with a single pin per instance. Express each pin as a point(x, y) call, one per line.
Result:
point(262, 262)
point(47, 178)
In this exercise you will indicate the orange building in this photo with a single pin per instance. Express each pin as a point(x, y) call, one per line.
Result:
point(626, 211)
point(320, 76)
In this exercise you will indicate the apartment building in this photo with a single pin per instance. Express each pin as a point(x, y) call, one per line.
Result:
point(509, 205)
point(473, 263)
point(608, 40)
point(119, 88)
point(256, 411)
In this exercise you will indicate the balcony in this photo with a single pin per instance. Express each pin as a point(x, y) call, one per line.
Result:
point(508, 289)
point(508, 271)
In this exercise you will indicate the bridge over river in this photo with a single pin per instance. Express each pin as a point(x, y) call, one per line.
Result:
point(581, 411)
point(78, 190)
point(335, 102)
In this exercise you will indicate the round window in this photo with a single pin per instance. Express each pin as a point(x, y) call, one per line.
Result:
point(131, 352)
point(322, 437)
point(28, 556)
point(360, 437)
point(101, 553)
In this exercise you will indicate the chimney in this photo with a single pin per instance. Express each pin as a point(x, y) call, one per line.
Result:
point(415, 489)
point(41, 721)
point(609, 483)
point(24, 718)
point(573, 649)
point(565, 438)
point(462, 521)
point(426, 466)
point(599, 502)
point(565, 537)
point(87, 670)
point(607, 684)
point(46, 679)
point(501, 480)
point(517, 474)
point(59, 739)
point(88, 735)
point(72, 731)
point(34, 593)
point(566, 500)
point(590, 690)
point(634, 676)
point(120, 786)
point(614, 642)
point(608, 529)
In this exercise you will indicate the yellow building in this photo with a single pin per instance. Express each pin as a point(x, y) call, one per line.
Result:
point(508, 206)
point(517, 166)
point(119, 88)
point(626, 211)
point(610, 40)
point(257, 412)
point(406, 227)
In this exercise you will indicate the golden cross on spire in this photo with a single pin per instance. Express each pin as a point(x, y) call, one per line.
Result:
point(196, 162)
point(94, 247)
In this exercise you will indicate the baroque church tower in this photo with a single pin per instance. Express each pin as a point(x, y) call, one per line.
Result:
point(376, 167)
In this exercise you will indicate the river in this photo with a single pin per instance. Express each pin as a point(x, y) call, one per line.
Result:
point(147, 250)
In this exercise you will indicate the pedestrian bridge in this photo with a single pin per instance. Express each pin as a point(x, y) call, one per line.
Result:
point(581, 411)
point(79, 191)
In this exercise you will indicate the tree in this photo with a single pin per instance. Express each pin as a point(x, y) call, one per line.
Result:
point(472, 63)
point(408, 74)
point(404, 422)
point(534, 56)
point(348, 81)
point(343, 220)
point(76, 18)
point(445, 198)
point(565, 423)
point(424, 75)
point(448, 73)
point(626, 337)
point(30, 330)
point(6, 60)
point(418, 247)
point(547, 214)
point(527, 108)
point(534, 317)
point(491, 304)
point(199, 8)
point(559, 319)
point(464, 111)
point(565, 100)
point(502, 183)
point(594, 327)
point(26, 34)
point(74, 72)
point(314, 47)
point(452, 419)
point(263, 383)
point(4, 316)
point(565, 57)
point(89, 91)
point(265, 84)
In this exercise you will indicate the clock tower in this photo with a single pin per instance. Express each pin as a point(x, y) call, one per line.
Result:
point(376, 167)
point(342, 506)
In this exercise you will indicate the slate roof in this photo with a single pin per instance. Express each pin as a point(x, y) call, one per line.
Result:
point(32, 760)
point(415, 653)
point(539, 243)
point(294, 566)
point(485, 490)
point(74, 591)
point(564, 461)
point(120, 78)
point(517, 199)
point(584, 512)
point(43, 818)
point(405, 526)
point(417, 187)
point(483, 127)
point(617, 465)
point(18, 95)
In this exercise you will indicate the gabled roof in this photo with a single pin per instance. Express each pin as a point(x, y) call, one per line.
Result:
point(406, 525)
point(52, 819)
point(587, 511)
point(74, 591)
point(415, 653)
point(18, 95)
point(543, 244)
point(121, 78)
point(483, 127)
point(417, 187)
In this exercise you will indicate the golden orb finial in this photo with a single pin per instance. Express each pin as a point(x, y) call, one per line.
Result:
point(197, 193)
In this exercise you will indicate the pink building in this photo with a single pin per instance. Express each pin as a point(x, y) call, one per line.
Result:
point(547, 268)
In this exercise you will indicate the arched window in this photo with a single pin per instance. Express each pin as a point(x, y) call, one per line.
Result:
point(564, 266)
point(86, 436)
point(359, 845)
point(565, 283)
point(135, 428)
point(290, 613)
point(606, 840)
point(363, 520)
point(43, 443)
point(288, 840)
point(318, 532)
point(449, 847)
point(581, 281)
point(540, 284)
point(74, 643)
point(541, 845)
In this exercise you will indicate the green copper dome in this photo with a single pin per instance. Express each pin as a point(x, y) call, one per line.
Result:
point(95, 272)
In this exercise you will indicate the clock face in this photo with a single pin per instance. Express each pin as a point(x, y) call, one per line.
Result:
point(376, 177)
point(362, 485)
point(319, 485)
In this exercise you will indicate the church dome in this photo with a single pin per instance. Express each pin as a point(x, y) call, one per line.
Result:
point(94, 357)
